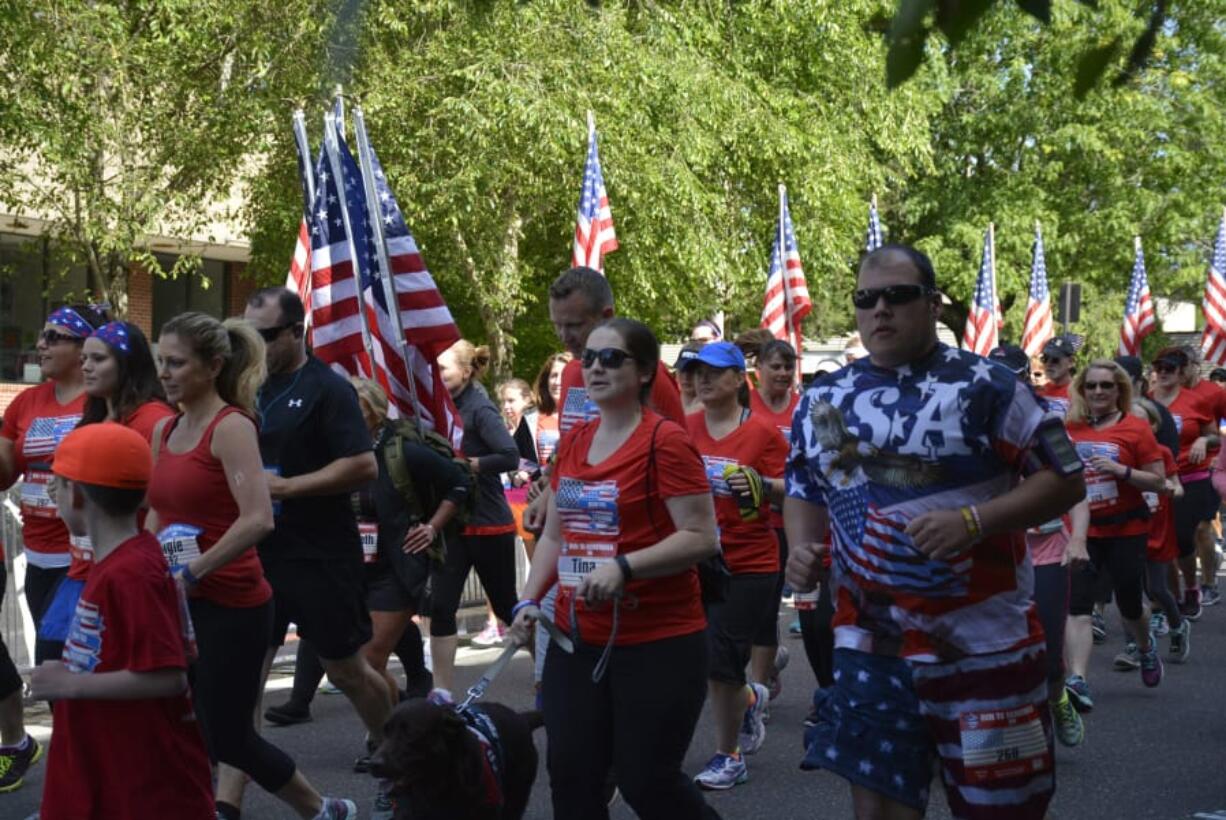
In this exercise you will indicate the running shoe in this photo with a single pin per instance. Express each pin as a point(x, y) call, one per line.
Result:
point(775, 684)
point(811, 719)
point(1129, 659)
point(1151, 666)
point(753, 728)
point(287, 714)
point(330, 688)
point(1070, 730)
point(336, 808)
point(1158, 625)
point(723, 772)
point(1181, 642)
point(794, 629)
point(492, 635)
point(14, 763)
point(1079, 693)
point(1209, 596)
point(1098, 627)
point(1191, 606)
point(385, 806)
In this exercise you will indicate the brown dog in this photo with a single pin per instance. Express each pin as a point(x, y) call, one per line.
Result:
point(439, 767)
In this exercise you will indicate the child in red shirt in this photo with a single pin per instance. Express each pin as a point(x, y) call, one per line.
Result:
point(125, 741)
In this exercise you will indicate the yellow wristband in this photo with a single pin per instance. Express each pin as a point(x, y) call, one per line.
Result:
point(972, 525)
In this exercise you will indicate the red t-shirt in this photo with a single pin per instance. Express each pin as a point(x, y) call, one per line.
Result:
point(118, 759)
point(36, 423)
point(194, 507)
point(1057, 398)
point(1162, 546)
point(604, 510)
point(1190, 414)
point(547, 435)
point(1129, 442)
point(575, 407)
point(783, 423)
point(749, 546)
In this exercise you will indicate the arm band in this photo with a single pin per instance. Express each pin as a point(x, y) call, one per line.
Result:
point(524, 604)
point(624, 566)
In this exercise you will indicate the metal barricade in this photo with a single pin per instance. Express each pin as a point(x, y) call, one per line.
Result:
point(16, 626)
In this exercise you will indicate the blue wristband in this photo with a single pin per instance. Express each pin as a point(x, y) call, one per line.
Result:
point(192, 580)
point(524, 604)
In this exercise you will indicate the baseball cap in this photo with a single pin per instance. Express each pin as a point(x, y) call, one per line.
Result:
point(1012, 357)
point(105, 455)
point(1132, 366)
point(1060, 346)
point(1173, 356)
point(689, 351)
point(717, 354)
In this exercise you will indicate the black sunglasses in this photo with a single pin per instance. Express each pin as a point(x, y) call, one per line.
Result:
point(610, 357)
point(52, 337)
point(1100, 386)
point(1045, 359)
point(1165, 367)
point(270, 334)
point(866, 298)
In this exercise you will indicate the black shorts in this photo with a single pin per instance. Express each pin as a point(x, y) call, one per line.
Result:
point(327, 601)
point(386, 593)
point(1190, 511)
point(1116, 564)
point(732, 623)
point(1213, 503)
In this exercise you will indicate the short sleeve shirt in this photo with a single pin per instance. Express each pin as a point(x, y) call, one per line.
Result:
point(617, 507)
point(309, 419)
point(1057, 398)
point(1131, 443)
point(749, 546)
point(576, 407)
point(878, 447)
point(1190, 415)
point(127, 758)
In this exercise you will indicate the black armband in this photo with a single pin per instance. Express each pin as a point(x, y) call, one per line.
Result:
point(1053, 449)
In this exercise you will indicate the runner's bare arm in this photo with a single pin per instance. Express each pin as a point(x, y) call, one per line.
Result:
point(340, 476)
point(52, 681)
point(694, 540)
point(8, 463)
point(807, 526)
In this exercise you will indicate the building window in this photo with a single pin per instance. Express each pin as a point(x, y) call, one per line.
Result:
point(203, 291)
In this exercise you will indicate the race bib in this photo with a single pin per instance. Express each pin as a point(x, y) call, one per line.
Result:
point(1101, 490)
point(577, 560)
point(1152, 500)
point(81, 548)
point(715, 473)
point(179, 543)
point(369, 531)
point(1003, 743)
point(35, 500)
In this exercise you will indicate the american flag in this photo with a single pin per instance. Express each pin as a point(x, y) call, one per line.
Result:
point(786, 302)
point(1038, 327)
point(589, 508)
point(872, 240)
point(1139, 319)
point(46, 432)
point(983, 323)
point(1213, 342)
point(594, 234)
point(421, 314)
point(299, 278)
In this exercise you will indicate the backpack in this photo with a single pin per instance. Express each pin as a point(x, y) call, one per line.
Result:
point(402, 479)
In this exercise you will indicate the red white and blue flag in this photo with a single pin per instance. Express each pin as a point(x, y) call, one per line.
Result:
point(299, 278)
point(872, 239)
point(1213, 342)
point(1038, 327)
point(786, 302)
point(983, 322)
point(1139, 319)
point(594, 234)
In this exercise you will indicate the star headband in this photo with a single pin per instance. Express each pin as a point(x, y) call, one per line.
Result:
point(68, 318)
point(115, 335)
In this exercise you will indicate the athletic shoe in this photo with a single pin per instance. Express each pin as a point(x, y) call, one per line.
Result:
point(1129, 659)
point(775, 684)
point(1209, 596)
point(794, 629)
point(336, 808)
point(14, 764)
point(1070, 731)
point(1079, 693)
point(723, 772)
point(1181, 642)
point(811, 719)
point(287, 714)
point(385, 806)
point(753, 729)
point(362, 764)
point(1191, 606)
point(492, 635)
point(1151, 666)
point(1158, 625)
point(330, 688)
point(1098, 627)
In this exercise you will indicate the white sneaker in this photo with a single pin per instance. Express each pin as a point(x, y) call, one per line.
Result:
point(753, 727)
point(722, 773)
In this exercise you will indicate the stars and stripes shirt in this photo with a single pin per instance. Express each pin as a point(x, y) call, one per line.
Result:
point(879, 447)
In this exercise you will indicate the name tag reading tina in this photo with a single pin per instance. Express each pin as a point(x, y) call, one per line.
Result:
point(578, 560)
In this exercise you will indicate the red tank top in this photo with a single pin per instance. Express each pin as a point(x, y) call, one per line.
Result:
point(188, 491)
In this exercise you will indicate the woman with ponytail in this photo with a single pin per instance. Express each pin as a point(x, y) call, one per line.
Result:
point(210, 507)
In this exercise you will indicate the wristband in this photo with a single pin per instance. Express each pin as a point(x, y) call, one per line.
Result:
point(971, 517)
point(624, 566)
point(187, 576)
point(1127, 473)
point(978, 521)
point(524, 604)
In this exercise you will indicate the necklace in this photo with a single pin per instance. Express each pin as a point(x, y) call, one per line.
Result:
point(1094, 421)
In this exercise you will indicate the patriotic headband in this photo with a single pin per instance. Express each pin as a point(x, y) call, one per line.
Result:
point(69, 318)
point(115, 335)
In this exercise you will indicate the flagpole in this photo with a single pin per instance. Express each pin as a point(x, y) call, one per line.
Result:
point(332, 149)
point(339, 106)
point(997, 312)
point(376, 223)
point(304, 151)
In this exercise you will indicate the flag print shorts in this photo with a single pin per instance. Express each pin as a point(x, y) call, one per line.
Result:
point(888, 724)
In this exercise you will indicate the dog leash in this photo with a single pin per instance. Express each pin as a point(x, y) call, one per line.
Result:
point(477, 690)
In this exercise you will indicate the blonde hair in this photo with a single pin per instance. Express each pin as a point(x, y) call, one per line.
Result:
point(1077, 394)
point(372, 393)
point(522, 386)
point(475, 359)
point(236, 343)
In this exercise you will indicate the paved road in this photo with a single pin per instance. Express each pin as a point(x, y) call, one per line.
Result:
point(1148, 754)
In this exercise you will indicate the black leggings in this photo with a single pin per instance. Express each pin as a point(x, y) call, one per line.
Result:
point(226, 681)
point(637, 721)
point(1119, 562)
point(817, 633)
point(309, 670)
point(41, 585)
point(1051, 593)
point(493, 557)
point(10, 681)
point(768, 635)
point(1159, 591)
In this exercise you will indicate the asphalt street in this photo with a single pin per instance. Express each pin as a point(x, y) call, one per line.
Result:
point(1149, 753)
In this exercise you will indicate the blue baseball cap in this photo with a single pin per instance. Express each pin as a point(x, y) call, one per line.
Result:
point(717, 354)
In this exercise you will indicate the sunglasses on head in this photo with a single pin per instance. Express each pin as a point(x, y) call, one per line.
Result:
point(1100, 386)
point(55, 337)
point(270, 334)
point(866, 298)
point(610, 358)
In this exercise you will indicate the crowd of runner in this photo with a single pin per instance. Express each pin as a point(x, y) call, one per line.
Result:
point(950, 528)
